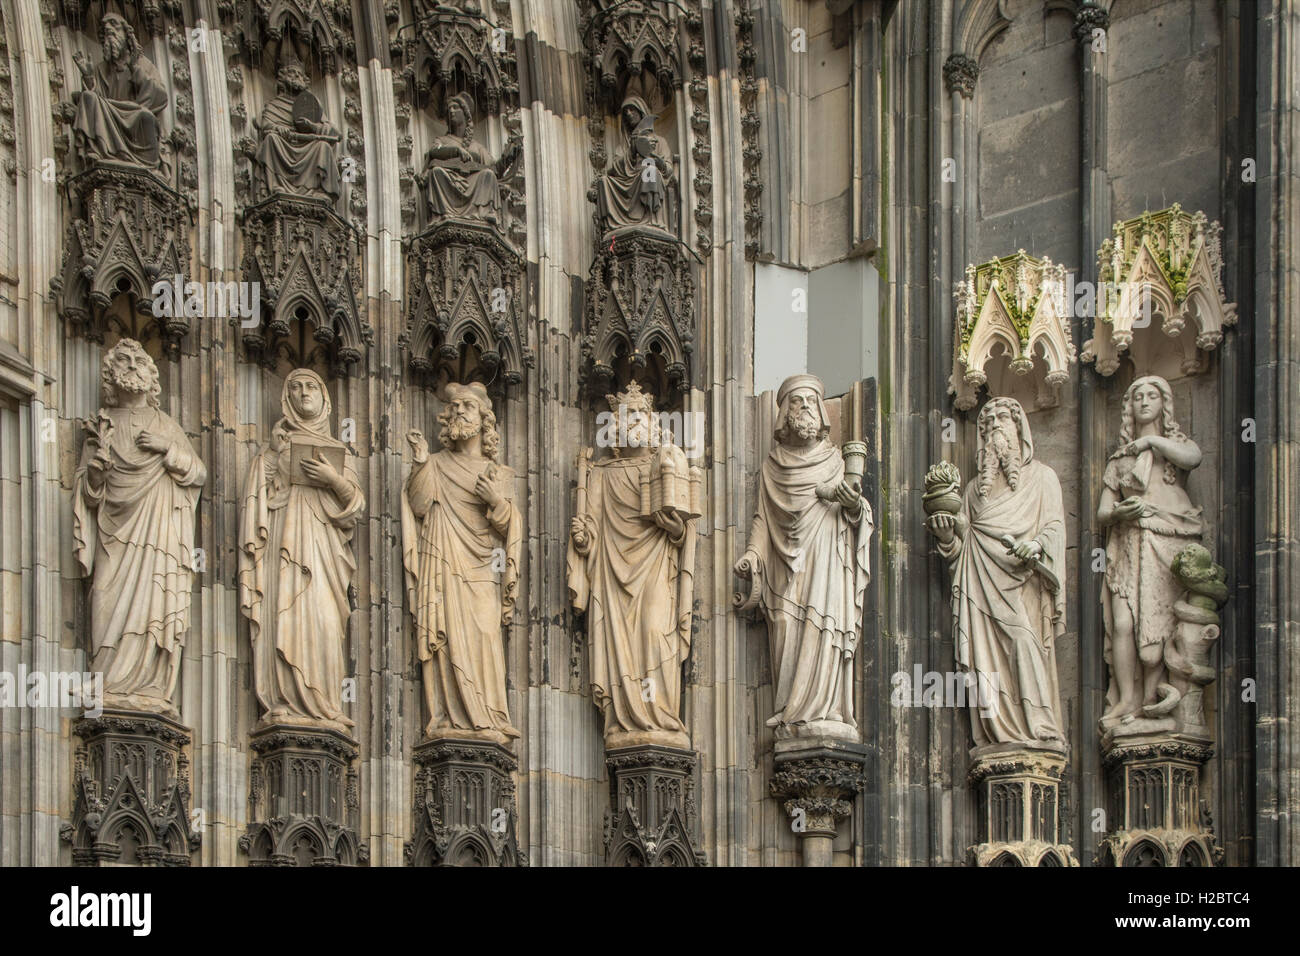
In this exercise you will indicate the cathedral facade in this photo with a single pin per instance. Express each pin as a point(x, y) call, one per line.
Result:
point(656, 432)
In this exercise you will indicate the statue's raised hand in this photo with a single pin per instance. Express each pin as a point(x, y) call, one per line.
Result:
point(148, 441)
point(419, 446)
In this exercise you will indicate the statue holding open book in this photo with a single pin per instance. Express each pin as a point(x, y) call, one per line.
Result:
point(301, 505)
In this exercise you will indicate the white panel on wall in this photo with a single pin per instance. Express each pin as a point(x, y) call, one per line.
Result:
point(780, 329)
point(843, 323)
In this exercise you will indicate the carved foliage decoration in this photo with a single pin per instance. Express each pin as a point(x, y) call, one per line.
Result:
point(465, 321)
point(1168, 265)
point(1018, 303)
point(127, 231)
point(640, 316)
point(749, 128)
point(131, 792)
point(304, 259)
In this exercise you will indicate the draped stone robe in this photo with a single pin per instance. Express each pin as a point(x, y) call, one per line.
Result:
point(1005, 617)
point(136, 536)
point(637, 588)
point(621, 190)
point(121, 118)
point(462, 596)
point(304, 167)
point(295, 566)
point(815, 563)
point(457, 188)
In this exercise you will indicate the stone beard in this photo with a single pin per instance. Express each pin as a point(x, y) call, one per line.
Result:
point(296, 562)
point(462, 540)
point(634, 576)
point(1007, 614)
point(121, 103)
point(1150, 518)
point(809, 556)
point(134, 500)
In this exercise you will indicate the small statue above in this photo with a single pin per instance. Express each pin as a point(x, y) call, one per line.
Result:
point(1150, 520)
point(120, 105)
point(460, 178)
point(639, 187)
point(296, 154)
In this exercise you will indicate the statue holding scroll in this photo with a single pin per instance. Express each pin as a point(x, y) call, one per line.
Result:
point(119, 109)
point(808, 561)
point(296, 154)
point(301, 506)
point(631, 561)
point(133, 507)
point(1150, 519)
point(1005, 545)
point(462, 537)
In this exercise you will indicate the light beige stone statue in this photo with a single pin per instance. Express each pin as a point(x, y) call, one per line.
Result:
point(809, 562)
point(631, 568)
point(461, 541)
point(301, 505)
point(1006, 548)
point(133, 506)
point(1150, 519)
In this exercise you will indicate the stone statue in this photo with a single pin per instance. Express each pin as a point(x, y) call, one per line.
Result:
point(808, 560)
point(631, 562)
point(462, 537)
point(460, 176)
point(638, 188)
point(301, 505)
point(120, 106)
point(1150, 519)
point(133, 507)
point(1006, 548)
point(296, 153)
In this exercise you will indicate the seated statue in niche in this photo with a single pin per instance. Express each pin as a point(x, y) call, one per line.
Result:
point(460, 176)
point(296, 155)
point(1150, 519)
point(120, 105)
point(638, 187)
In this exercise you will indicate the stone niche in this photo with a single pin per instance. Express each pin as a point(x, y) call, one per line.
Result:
point(1013, 332)
point(1160, 296)
point(467, 310)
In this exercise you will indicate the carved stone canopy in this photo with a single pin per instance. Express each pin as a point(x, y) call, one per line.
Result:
point(325, 24)
point(304, 260)
point(1167, 265)
point(466, 316)
point(625, 39)
point(128, 230)
point(1017, 302)
point(455, 49)
point(640, 314)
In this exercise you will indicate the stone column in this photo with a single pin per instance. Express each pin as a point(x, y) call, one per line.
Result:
point(817, 778)
point(302, 800)
point(1018, 790)
point(465, 812)
point(131, 791)
point(652, 819)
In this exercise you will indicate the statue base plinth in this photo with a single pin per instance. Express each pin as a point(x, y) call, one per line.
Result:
point(464, 804)
point(303, 800)
point(652, 799)
point(1155, 802)
point(131, 791)
point(1018, 791)
point(817, 778)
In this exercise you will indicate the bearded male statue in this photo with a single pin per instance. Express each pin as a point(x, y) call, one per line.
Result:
point(462, 537)
point(809, 560)
point(121, 102)
point(133, 508)
point(296, 152)
point(1006, 550)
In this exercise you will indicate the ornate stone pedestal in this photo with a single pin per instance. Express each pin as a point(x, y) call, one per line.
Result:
point(303, 799)
point(1018, 790)
point(464, 805)
point(651, 820)
point(131, 792)
point(817, 777)
point(1156, 806)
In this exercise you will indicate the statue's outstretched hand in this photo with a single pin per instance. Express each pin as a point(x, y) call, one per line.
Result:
point(942, 525)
